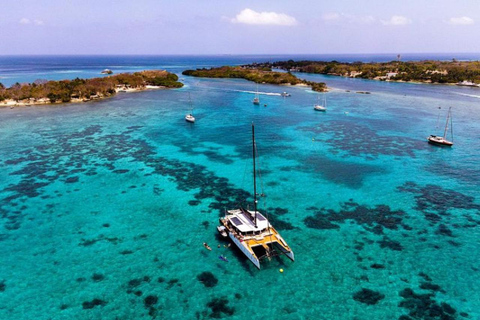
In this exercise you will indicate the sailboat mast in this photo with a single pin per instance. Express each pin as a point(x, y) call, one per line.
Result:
point(254, 178)
point(451, 126)
point(446, 124)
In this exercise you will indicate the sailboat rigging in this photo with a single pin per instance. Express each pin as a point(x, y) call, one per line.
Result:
point(189, 117)
point(256, 100)
point(251, 231)
point(319, 107)
point(442, 141)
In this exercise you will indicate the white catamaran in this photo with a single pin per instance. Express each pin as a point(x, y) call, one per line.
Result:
point(442, 141)
point(251, 231)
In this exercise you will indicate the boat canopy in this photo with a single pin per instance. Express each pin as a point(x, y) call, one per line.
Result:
point(243, 223)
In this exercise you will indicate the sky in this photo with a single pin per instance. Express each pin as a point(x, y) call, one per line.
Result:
point(193, 27)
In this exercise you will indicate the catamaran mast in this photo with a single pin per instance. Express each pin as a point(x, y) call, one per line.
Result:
point(254, 178)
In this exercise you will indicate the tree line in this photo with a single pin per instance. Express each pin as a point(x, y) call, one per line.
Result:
point(255, 74)
point(423, 71)
point(66, 90)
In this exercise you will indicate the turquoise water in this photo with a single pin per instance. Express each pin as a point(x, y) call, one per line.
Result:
point(105, 205)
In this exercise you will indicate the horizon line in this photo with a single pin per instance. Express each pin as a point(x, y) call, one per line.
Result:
point(229, 54)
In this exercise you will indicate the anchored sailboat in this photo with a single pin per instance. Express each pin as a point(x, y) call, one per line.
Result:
point(189, 117)
point(256, 100)
point(318, 106)
point(251, 231)
point(442, 141)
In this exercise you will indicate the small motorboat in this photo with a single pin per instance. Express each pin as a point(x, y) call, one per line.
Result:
point(223, 231)
point(285, 94)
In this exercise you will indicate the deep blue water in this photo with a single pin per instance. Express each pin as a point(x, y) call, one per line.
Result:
point(105, 205)
point(30, 68)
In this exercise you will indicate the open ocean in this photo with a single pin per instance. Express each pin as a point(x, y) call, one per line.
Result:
point(105, 205)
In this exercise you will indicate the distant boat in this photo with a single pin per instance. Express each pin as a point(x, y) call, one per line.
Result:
point(189, 117)
point(251, 231)
point(442, 141)
point(319, 107)
point(107, 71)
point(466, 83)
point(285, 94)
point(256, 100)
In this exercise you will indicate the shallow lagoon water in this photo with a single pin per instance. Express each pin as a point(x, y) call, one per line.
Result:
point(105, 205)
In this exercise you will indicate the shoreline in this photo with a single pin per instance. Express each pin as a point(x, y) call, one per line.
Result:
point(45, 101)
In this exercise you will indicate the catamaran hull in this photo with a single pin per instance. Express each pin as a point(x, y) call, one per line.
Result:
point(245, 251)
point(289, 254)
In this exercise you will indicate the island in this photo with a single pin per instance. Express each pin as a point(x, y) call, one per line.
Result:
point(465, 73)
point(81, 90)
point(255, 74)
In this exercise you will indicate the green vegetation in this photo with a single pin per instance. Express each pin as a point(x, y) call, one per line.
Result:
point(255, 74)
point(85, 89)
point(422, 71)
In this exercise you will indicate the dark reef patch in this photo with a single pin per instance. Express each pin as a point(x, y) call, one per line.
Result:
point(350, 174)
point(279, 223)
point(435, 201)
point(278, 211)
point(173, 282)
point(219, 307)
point(390, 244)
point(136, 282)
point(92, 304)
point(444, 231)
point(71, 179)
point(368, 296)
point(430, 286)
point(150, 301)
point(62, 157)
point(208, 279)
point(97, 277)
point(3, 286)
point(359, 140)
point(373, 219)
point(459, 171)
point(120, 171)
point(89, 242)
point(425, 306)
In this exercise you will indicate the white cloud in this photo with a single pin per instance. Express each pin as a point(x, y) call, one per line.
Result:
point(397, 21)
point(248, 16)
point(334, 17)
point(38, 22)
point(461, 21)
point(24, 21)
